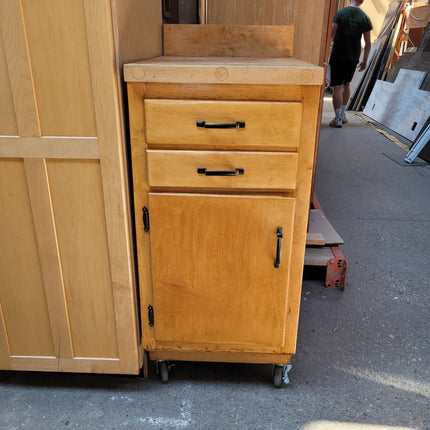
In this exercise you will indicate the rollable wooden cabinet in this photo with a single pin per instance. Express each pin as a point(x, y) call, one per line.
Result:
point(222, 159)
point(67, 285)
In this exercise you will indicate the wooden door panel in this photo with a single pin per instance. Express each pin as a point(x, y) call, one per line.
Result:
point(214, 279)
point(7, 112)
point(58, 48)
point(22, 295)
point(82, 242)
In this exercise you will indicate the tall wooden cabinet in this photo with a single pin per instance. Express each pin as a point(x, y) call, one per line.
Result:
point(67, 284)
point(222, 160)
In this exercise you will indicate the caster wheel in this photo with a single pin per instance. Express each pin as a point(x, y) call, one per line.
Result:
point(280, 375)
point(277, 376)
point(163, 371)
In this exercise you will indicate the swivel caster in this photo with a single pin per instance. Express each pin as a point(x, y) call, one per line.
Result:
point(280, 375)
point(163, 370)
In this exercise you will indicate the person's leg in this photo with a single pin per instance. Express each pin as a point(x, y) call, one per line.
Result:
point(336, 81)
point(337, 97)
point(337, 106)
point(346, 92)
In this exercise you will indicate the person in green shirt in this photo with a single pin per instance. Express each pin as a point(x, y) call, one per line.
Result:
point(350, 24)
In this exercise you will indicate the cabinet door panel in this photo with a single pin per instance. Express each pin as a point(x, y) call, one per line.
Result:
point(23, 306)
point(214, 279)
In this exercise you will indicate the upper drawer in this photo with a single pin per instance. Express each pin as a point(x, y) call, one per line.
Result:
point(263, 125)
point(230, 170)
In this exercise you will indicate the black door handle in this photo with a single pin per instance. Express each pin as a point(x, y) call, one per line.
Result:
point(204, 124)
point(279, 235)
point(235, 172)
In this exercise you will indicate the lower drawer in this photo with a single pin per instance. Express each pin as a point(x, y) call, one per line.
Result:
point(207, 169)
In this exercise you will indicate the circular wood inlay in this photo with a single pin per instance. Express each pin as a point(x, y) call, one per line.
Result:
point(138, 73)
point(306, 75)
point(221, 73)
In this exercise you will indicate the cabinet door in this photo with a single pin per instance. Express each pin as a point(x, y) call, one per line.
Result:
point(214, 278)
point(67, 292)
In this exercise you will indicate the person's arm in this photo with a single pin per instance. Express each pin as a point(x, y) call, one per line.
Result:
point(367, 46)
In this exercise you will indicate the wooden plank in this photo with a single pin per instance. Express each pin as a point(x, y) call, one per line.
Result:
point(315, 239)
point(140, 193)
point(49, 147)
point(8, 125)
point(418, 16)
point(203, 12)
point(81, 234)
point(35, 363)
point(273, 93)
point(228, 41)
point(400, 106)
point(4, 344)
point(19, 67)
point(58, 50)
point(311, 98)
point(46, 237)
point(223, 357)
point(22, 291)
point(138, 30)
point(318, 223)
point(318, 256)
point(106, 94)
point(309, 20)
point(224, 70)
point(92, 365)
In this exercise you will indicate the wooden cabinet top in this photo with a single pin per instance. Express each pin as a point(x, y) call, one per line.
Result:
point(225, 70)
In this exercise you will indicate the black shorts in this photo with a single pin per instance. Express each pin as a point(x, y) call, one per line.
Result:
point(341, 71)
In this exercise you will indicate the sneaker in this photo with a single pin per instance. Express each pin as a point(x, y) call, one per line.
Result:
point(344, 119)
point(336, 123)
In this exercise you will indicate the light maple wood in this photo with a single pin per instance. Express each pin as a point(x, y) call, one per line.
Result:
point(22, 293)
point(224, 70)
point(268, 126)
point(114, 180)
point(49, 257)
point(62, 143)
point(54, 44)
point(49, 147)
point(82, 243)
point(224, 357)
point(310, 19)
point(262, 170)
point(290, 93)
point(230, 244)
point(228, 41)
point(19, 68)
point(311, 98)
point(8, 125)
point(183, 289)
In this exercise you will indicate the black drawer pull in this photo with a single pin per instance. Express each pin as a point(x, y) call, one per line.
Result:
point(204, 171)
point(279, 235)
point(204, 124)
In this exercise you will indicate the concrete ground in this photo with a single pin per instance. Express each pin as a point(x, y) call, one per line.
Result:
point(362, 357)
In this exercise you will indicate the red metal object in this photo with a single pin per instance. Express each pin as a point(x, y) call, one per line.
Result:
point(337, 266)
point(336, 270)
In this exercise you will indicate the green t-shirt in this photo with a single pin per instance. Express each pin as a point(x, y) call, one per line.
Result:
point(352, 23)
